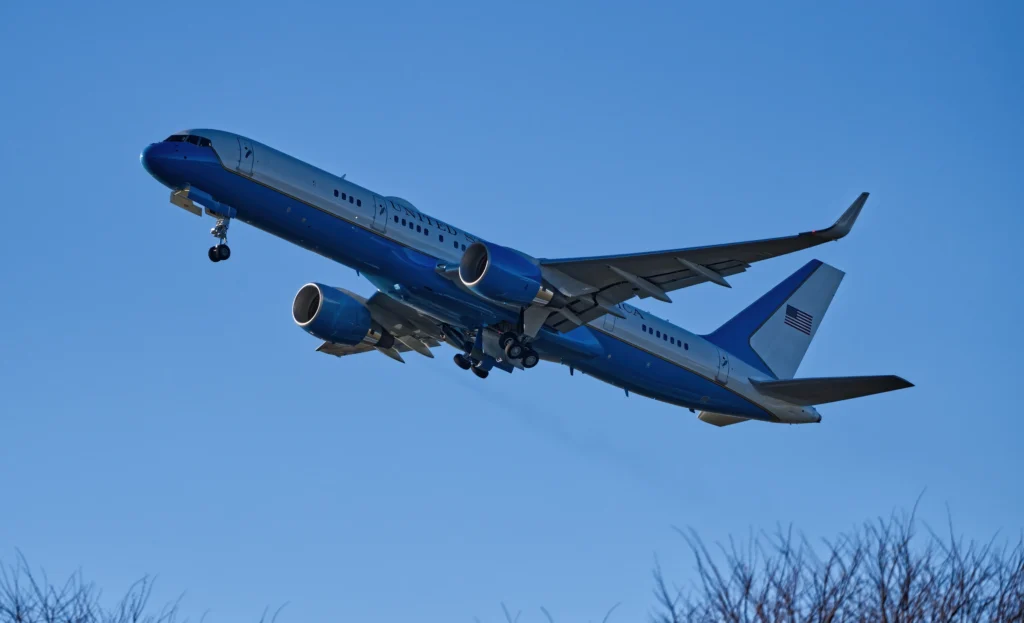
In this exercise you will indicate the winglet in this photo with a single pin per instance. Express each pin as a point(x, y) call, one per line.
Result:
point(845, 222)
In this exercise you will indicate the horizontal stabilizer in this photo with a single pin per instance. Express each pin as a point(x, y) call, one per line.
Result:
point(807, 392)
point(719, 419)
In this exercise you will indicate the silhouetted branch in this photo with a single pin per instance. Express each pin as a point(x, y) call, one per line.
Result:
point(883, 571)
point(27, 597)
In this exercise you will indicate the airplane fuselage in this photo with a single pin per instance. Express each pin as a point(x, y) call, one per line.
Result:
point(403, 252)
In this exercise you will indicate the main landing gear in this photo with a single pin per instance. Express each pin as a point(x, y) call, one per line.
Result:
point(466, 363)
point(514, 349)
point(220, 231)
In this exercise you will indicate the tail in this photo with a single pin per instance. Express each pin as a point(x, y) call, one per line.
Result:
point(774, 332)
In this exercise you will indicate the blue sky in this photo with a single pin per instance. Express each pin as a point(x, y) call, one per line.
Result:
point(162, 414)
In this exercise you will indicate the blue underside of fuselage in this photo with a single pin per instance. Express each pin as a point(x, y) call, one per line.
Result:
point(410, 275)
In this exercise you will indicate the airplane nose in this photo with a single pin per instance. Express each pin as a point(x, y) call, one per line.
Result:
point(149, 159)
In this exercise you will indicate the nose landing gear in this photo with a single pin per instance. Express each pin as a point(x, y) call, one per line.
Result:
point(220, 231)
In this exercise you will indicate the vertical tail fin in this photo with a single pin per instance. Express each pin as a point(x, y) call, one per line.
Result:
point(774, 332)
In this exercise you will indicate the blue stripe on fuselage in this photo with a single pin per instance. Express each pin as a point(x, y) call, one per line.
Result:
point(384, 261)
point(387, 263)
point(629, 367)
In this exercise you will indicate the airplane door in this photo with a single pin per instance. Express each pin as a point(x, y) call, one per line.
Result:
point(381, 213)
point(246, 156)
point(722, 376)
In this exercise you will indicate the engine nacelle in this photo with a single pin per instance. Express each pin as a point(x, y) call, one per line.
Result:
point(334, 316)
point(504, 275)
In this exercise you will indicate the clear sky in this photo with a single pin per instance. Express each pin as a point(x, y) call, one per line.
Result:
point(163, 414)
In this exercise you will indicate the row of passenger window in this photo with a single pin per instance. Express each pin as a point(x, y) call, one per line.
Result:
point(350, 198)
point(665, 336)
point(425, 231)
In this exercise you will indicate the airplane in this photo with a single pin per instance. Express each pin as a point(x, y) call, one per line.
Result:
point(503, 309)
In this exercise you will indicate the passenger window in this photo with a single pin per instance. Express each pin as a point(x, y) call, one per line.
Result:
point(335, 192)
point(396, 218)
point(645, 328)
point(440, 238)
point(350, 199)
point(686, 347)
point(426, 232)
point(665, 337)
point(410, 225)
point(658, 334)
point(456, 243)
point(672, 341)
point(343, 196)
point(403, 221)
point(359, 202)
point(463, 247)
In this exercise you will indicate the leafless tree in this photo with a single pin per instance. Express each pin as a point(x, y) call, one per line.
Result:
point(884, 571)
point(28, 597)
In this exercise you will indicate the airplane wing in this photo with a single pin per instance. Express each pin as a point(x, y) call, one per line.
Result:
point(596, 284)
point(412, 330)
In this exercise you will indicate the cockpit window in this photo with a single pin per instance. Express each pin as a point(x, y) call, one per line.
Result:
point(189, 138)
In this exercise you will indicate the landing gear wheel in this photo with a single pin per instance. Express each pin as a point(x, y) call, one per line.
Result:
point(463, 362)
point(530, 358)
point(505, 338)
point(223, 251)
point(213, 254)
point(513, 349)
point(481, 373)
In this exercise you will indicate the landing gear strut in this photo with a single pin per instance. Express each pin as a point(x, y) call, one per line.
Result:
point(220, 231)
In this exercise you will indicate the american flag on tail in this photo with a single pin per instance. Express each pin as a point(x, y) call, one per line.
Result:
point(801, 321)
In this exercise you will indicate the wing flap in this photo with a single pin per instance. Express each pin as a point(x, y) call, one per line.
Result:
point(808, 392)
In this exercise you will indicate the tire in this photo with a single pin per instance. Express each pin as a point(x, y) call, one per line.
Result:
point(461, 361)
point(530, 358)
point(223, 251)
point(481, 373)
point(213, 254)
point(514, 350)
point(505, 338)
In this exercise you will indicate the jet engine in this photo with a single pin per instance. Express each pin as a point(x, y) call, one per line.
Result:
point(502, 274)
point(334, 316)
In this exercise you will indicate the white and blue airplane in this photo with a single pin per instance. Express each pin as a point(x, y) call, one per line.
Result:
point(503, 309)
